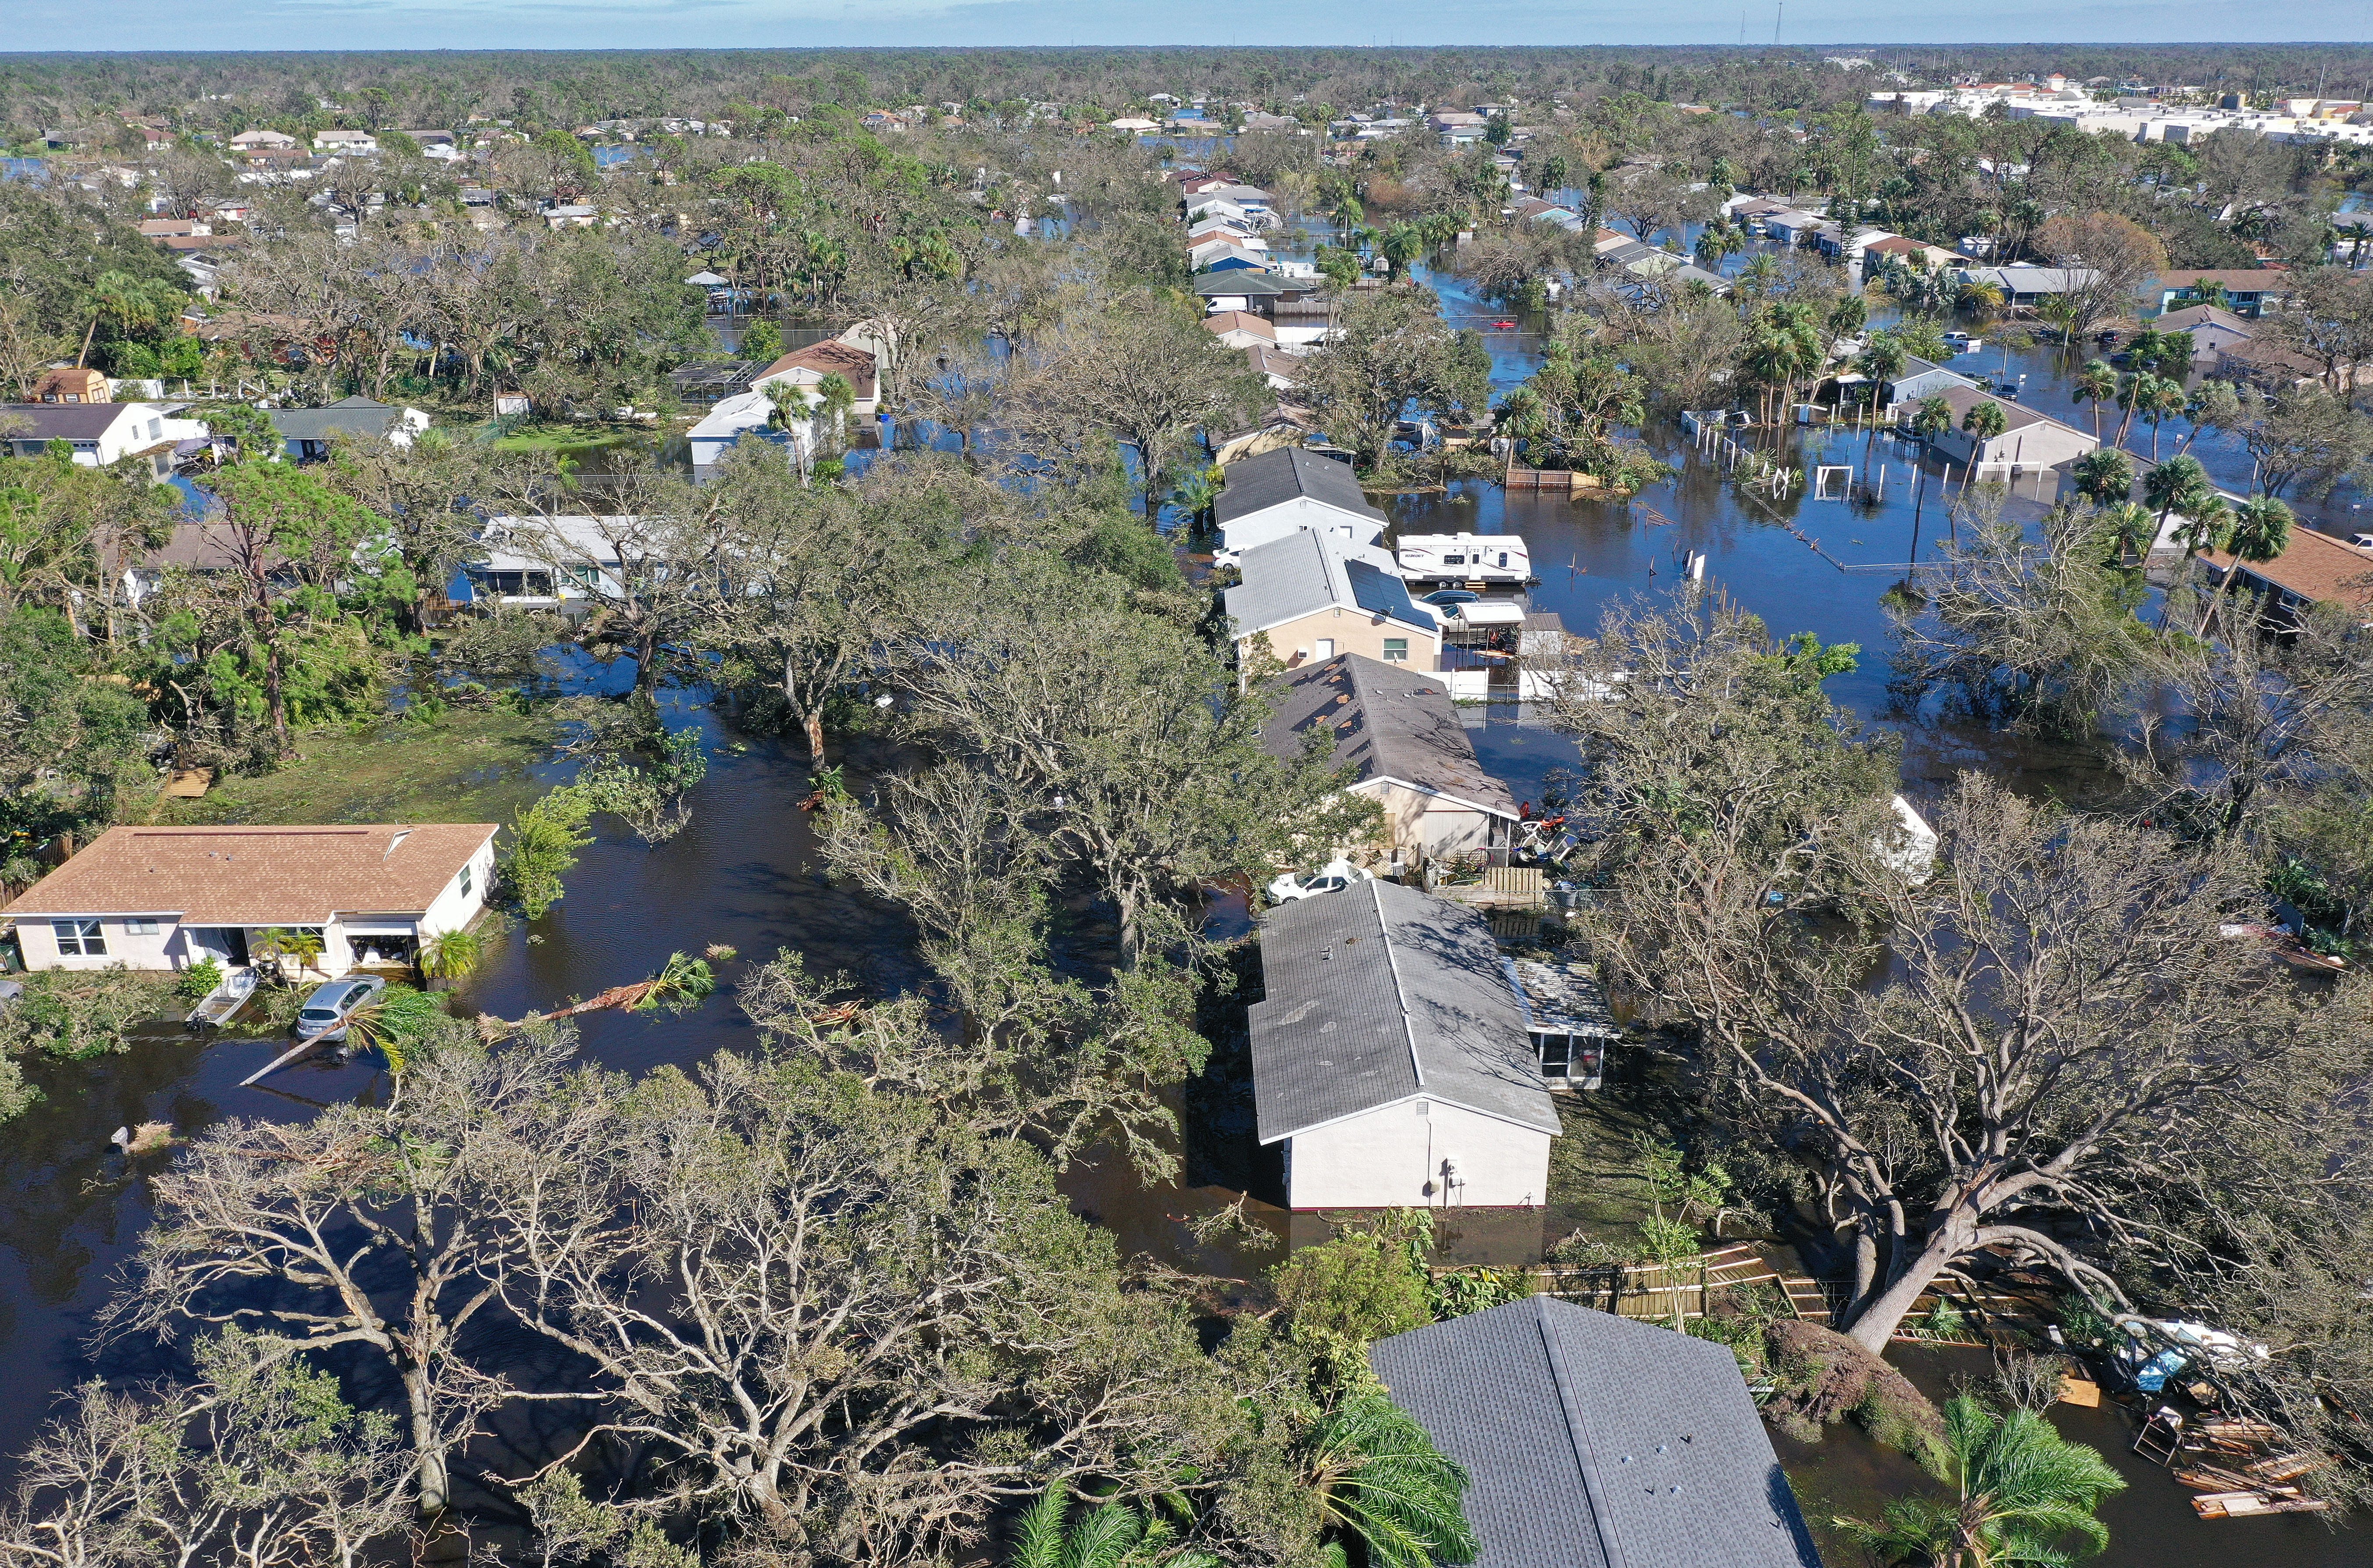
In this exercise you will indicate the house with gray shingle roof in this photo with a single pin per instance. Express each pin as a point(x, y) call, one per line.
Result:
point(1402, 736)
point(1291, 490)
point(1314, 595)
point(310, 431)
point(1595, 1442)
point(1390, 1057)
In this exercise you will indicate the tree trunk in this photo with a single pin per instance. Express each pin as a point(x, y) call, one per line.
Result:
point(1875, 1324)
point(436, 1481)
point(274, 697)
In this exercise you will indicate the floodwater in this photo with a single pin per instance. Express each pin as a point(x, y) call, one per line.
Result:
point(745, 872)
point(2151, 1523)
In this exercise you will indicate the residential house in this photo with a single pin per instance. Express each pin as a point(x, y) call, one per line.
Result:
point(261, 141)
point(2213, 329)
point(571, 215)
point(310, 431)
point(805, 368)
point(1226, 255)
point(1312, 595)
point(1920, 379)
point(71, 383)
point(2276, 367)
point(1294, 306)
point(1215, 225)
point(169, 897)
point(1241, 329)
point(1402, 735)
point(1877, 252)
point(1217, 207)
point(1457, 128)
point(2248, 290)
point(2030, 438)
point(174, 227)
point(713, 380)
point(1790, 226)
point(347, 144)
point(1291, 491)
point(1591, 1439)
point(97, 433)
point(2024, 286)
point(748, 413)
point(1274, 365)
point(1640, 261)
point(2313, 568)
point(1390, 1059)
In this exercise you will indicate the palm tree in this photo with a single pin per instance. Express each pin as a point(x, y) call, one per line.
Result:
point(1755, 278)
point(2162, 400)
point(134, 304)
point(1112, 1534)
point(451, 955)
point(1380, 1478)
point(1979, 298)
point(1933, 418)
point(279, 943)
point(2260, 531)
point(1718, 243)
point(2179, 483)
point(1984, 421)
point(2021, 1490)
point(1882, 360)
point(2131, 529)
point(1403, 244)
point(2096, 385)
point(2105, 476)
point(2133, 392)
point(1196, 493)
point(395, 1022)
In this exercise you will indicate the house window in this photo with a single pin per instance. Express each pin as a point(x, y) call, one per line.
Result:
point(79, 939)
point(1396, 651)
point(139, 928)
point(465, 879)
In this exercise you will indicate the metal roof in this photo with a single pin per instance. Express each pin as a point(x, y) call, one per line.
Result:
point(1595, 1441)
point(1257, 483)
point(1387, 721)
point(1377, 994)
point(1308, 571)
point(1561, 997)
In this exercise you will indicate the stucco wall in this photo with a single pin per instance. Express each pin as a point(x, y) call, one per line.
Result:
point(162, 950)
point(454, 909)
point(1353, 631)
point(1384, 1159)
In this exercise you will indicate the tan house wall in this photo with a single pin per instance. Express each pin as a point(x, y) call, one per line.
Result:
point(1297, 642)
point(1430, 823)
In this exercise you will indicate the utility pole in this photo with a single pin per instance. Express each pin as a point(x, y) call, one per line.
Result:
point(1777, 18)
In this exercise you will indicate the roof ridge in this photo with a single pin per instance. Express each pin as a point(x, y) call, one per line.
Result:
point(1400, 992)
point(1579, 1432)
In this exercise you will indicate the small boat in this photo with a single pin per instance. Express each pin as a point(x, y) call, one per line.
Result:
point(1504, 326)
point(224, 1000)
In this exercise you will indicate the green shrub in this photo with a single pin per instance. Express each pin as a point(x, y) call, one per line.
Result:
point(199, 980)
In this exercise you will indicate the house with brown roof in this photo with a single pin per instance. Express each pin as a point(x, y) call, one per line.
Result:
point(169, 897)
point(2213, 329)
point(71, 383)
point(806, 367)
point(1241, 329)
point(2313, 568)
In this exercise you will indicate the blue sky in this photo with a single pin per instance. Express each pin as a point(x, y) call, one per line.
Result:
point(597, 24)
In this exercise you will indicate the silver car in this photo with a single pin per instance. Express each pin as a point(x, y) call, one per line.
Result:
point(329, 1010)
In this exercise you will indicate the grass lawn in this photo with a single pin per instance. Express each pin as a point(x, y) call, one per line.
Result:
point(476, 765)
point(1595, 1181)
point(568, 438)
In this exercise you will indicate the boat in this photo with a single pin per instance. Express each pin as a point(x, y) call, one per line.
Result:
point(1498, 560)
point(224, 1000)
point(1502, 326)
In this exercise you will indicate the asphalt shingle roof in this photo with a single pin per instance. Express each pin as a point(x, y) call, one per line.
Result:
point(355, 415)
point(1595, 1441)
point(1388, 721)
point(1307, 571)
point(259, 876)
point(1378, 993)
point(1273, 478)
point(60, 421)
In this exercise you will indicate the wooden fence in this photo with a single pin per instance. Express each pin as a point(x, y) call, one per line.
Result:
point(1660, 1292)
point(1565, 480)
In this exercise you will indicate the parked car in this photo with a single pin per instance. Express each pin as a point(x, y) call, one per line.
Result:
point(1962, 343)
point(1333, 877)
point(331, 1008)
point(2362, 541)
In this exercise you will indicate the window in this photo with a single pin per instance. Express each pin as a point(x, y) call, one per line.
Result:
point(465, 879)
point(1396, 651)
point(79, 939)
point(139, 928)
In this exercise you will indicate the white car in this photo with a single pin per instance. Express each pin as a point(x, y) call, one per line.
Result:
point(1332, 877)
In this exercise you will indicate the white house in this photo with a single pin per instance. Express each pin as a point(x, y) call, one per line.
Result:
point(1390, 1057)
point(1293, 490)
point(806, 367)
point(353, 144)
point(2030, 438)
point(751, 415)
point(310, 432)
point(98, 433)
point(261, 141)
point(532, 562)
point(168, 898)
